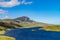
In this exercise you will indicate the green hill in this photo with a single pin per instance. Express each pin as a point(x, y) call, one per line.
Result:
point(20, 22)
point(26, 22)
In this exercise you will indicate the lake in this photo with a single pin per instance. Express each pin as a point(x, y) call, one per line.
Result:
point(28, 34)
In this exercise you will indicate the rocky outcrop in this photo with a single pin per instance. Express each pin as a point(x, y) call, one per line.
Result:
point(24, 19)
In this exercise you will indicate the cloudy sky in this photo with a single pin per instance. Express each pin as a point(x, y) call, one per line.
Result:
point(47, 11)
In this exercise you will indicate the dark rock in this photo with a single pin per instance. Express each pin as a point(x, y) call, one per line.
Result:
point(24, 18)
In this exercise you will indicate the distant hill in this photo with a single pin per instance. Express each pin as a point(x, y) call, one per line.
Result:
point(20, 22)
point(24, 19)
point(27, 22)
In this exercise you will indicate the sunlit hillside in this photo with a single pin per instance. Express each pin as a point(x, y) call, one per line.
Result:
point(52, 28)
point(25, 22)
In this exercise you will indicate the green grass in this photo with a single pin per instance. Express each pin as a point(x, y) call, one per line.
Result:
point(6, 38)
point(52, 28)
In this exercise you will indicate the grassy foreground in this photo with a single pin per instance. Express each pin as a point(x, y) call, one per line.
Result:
point(6, 38)
point(2, 32)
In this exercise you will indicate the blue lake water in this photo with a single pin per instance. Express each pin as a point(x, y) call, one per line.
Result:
point(28, 34)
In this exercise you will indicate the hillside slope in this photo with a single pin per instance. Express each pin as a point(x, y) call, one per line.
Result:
point(24, 22)
point(20, 22)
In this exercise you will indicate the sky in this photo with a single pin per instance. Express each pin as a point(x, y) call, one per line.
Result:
point(46, 11)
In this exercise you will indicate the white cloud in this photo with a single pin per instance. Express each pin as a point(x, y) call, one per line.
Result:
point(3, 11)
point(12, 3)
point(24, 2)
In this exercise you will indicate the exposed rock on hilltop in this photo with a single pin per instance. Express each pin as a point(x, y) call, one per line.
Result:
point(24, 19)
